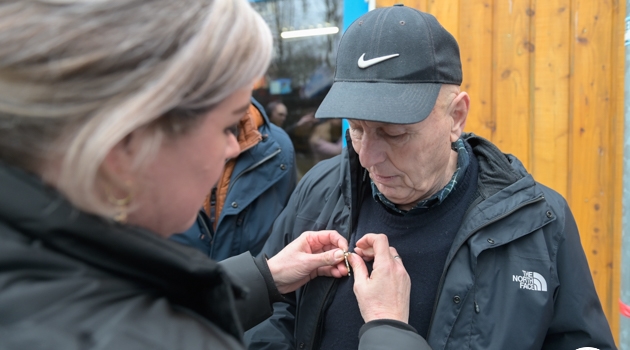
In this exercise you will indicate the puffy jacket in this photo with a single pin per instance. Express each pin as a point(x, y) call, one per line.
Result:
point(260, 185)
point(516, 276)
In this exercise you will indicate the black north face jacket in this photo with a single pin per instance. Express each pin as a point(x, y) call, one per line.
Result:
point(516, 276)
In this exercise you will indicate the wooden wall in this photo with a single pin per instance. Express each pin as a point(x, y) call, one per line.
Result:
point(545, 79)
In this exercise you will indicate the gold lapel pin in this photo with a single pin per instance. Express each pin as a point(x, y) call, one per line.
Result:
point(345, 256)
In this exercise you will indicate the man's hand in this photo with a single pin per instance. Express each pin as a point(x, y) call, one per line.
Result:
point(385, 293)
point(312, 254)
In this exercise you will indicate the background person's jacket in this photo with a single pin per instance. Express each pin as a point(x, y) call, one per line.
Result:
point(515, 231)
point(260, 184)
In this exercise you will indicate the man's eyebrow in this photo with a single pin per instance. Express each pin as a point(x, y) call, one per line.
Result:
point(241, 110)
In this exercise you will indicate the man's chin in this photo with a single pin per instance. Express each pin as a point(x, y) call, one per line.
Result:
point(394, 197)
point(390, 194)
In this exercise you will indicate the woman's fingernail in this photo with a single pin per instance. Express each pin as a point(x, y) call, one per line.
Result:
point(338, 254)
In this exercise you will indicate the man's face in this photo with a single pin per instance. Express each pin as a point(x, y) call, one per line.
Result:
point(279, 114)
point(408, 163)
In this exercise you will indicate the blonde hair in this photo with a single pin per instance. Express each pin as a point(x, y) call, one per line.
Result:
point(77, 77)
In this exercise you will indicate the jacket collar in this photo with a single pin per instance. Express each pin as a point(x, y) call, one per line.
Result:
point(184, 275)
point(496, 169)
point(504, 185)
point(249, 135)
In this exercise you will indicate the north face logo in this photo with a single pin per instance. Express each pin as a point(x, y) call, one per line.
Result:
point(531, 280)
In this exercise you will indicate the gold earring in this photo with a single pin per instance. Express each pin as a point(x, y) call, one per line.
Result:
point(122, 206)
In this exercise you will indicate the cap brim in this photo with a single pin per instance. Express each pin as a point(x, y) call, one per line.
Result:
point(395, 103)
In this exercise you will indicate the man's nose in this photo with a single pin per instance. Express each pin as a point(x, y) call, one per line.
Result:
point(371, 152)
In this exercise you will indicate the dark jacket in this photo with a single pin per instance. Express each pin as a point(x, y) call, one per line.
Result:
point(260, 185)
point(516, 276)
point(70, 280)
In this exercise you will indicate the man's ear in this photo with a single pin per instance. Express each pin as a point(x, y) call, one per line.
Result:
point(459, 113)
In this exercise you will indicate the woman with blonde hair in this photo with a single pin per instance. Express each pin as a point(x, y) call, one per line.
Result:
point(103, 107)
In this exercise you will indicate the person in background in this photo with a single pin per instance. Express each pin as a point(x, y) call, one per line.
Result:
point(277, 112)
point(325, 140)
point(116, 119)
point(494, 257)
point(254, 187)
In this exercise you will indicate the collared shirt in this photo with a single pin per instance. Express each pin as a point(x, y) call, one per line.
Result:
point(463, 159)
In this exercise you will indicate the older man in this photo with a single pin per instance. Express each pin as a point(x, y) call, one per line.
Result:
point(494, 257)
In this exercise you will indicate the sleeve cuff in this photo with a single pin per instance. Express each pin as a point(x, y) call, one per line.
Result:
point(386, 322)
point(272, 290)
point(390, 334)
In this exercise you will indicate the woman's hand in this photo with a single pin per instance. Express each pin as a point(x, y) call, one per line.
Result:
point(383, 294)
point(312, 254)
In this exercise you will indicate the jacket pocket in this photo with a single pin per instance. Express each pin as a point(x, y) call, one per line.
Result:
point(511, 302)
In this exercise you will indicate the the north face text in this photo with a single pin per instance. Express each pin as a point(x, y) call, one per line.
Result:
point(531, 280)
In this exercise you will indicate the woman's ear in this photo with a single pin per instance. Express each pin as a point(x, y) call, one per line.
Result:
point(117, 168)
point(459, 113)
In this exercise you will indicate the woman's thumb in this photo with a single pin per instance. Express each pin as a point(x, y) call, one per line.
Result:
point(359, 269)
point(330, 258)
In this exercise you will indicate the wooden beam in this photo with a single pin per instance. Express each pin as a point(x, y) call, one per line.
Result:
point(512, 51)
point(591, 182)
point(550, 132)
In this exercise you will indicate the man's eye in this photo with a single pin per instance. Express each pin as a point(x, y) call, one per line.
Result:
point(395, 136)
point(355, 132)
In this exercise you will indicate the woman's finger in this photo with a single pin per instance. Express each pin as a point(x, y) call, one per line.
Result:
point(395, 255)
point(359, 269)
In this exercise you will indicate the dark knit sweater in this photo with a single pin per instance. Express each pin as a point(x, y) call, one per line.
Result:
point(422, 240)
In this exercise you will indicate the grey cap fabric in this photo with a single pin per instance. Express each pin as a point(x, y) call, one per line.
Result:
point(391, 64)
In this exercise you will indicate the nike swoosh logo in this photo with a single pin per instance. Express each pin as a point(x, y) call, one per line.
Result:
point(364, 64)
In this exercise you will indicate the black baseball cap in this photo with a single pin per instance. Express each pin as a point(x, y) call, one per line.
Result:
point(391, 64)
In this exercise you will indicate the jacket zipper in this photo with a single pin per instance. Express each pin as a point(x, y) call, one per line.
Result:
point(210, 233)
point(205, 226)
point(441, 284)
point(321, 306)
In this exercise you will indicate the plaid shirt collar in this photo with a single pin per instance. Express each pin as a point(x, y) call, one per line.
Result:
point(463, 159)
